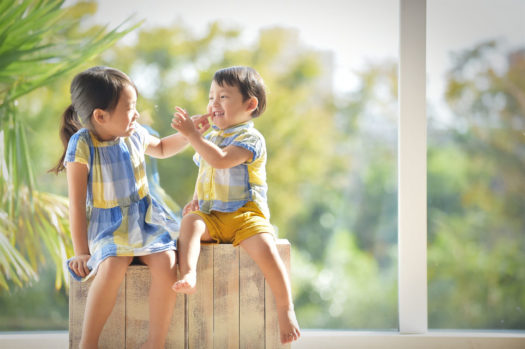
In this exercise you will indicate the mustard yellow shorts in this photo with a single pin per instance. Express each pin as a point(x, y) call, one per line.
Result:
point(234, 227)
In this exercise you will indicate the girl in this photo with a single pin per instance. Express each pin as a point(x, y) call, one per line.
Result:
point(112, 215)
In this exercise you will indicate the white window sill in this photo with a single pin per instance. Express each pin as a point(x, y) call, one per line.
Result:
point(433, 339)
point(326, 339)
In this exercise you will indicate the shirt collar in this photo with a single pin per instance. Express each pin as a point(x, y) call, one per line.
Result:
point(247, 124)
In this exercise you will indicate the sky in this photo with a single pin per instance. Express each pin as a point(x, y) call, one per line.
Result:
point(356, 31)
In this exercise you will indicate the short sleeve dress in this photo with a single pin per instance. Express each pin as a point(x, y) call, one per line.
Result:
point(123, 218)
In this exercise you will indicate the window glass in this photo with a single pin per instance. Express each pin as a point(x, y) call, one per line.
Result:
point(330, 129)
point(476, 164)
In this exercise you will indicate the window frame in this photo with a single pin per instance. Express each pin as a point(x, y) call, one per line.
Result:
point(412, 169)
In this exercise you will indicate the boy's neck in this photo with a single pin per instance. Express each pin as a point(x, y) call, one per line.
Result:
point(239, 121)
point(234, 125)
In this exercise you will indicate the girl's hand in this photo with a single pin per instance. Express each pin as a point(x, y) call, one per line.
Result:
point(193, 205)
point(79, 265)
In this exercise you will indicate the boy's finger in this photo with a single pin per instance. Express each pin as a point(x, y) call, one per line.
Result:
point(182, 111)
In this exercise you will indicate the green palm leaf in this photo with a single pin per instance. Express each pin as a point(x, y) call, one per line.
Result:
point(39, 42)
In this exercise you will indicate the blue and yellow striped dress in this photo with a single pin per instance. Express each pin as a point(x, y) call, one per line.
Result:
point(123, 218)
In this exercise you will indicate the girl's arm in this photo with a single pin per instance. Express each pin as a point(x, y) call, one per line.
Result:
point(77, 175)
point(165, 147)
point(217, 157)
point(173, 144)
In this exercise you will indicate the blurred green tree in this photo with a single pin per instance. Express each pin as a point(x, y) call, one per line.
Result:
point(477, 195)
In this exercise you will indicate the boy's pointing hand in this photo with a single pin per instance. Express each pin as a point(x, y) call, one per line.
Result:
point(201, 122)
point(187, 125)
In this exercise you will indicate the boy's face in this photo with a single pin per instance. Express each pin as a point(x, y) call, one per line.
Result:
point(226, 106)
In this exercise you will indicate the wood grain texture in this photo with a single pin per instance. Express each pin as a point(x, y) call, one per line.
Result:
point(225, 297)
point(251, 303)
point(113, 334)
point(233, 306)
point(137, 305)
point(272, 324)
point(200, 304)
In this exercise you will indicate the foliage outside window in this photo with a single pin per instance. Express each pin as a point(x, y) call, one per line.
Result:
point(331, 171)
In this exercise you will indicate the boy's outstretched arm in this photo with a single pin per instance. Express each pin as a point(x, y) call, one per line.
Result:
point(226, 157)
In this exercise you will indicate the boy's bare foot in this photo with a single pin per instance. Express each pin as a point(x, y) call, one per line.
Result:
point(186, 284)
point(288, 326)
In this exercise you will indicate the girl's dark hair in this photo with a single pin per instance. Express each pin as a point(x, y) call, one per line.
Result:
point(248, 81)
point(94, 88)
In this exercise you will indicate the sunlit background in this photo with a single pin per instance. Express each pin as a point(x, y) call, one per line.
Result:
point(331, 132)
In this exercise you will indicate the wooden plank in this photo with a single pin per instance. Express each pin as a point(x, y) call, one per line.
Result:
point(113, 334)
point(251, 303)
point(200, 304)
point(233, 306)
point(138, 283)
point(175, 339)
point(272, 324)
point(137, 305)
point(225, 296)
point(77, 304)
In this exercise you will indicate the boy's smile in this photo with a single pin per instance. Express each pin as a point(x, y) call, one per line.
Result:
point(226, 106)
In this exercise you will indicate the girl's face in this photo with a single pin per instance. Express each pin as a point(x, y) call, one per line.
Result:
point(226, 106)
point(121, 121)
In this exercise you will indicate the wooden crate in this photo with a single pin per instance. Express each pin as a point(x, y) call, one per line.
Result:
point(232, 308)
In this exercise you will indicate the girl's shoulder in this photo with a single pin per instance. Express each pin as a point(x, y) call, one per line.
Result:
point(140, 135)
point(81, 136)
point(82, 133)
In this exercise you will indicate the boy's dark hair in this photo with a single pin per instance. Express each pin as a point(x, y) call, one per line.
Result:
point(94, 88)
point(248, 81)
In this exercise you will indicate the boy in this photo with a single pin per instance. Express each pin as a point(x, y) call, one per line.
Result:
point(229, 204)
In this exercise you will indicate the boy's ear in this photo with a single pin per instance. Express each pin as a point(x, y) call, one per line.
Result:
point(252, 104)
point(99, 116)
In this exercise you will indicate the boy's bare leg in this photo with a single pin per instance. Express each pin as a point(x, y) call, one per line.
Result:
point(163, 270)
point(262, 249)
point(192, 231)
point(101, 298)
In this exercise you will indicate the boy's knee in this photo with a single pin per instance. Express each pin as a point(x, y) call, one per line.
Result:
point(192, 224)
point(261, 244)
point(190, 218)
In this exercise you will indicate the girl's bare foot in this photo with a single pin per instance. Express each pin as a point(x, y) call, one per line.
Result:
point(288, 326)
point(186, 284)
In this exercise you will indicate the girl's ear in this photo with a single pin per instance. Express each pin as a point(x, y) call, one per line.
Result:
point(99, 116)
point(253, 102)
